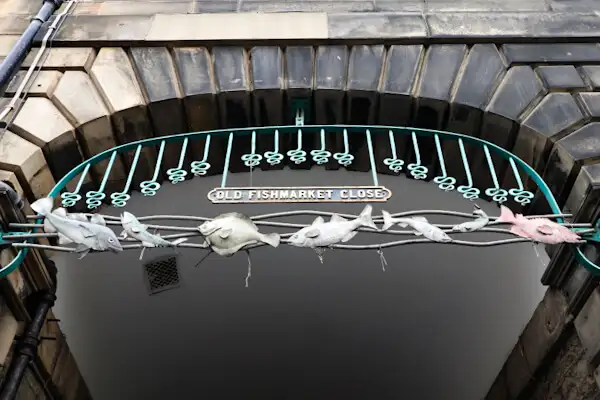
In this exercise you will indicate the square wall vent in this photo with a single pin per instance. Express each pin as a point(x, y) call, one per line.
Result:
point(162, 273)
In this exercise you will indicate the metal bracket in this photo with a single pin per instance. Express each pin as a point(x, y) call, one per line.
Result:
point(300, 106)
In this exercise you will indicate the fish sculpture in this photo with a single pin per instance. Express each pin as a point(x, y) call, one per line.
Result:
point(471, 226)
point(228, 233)
point(92, 234)
point(420, 225)
point(321, 234)
point(132, 227)
point(540, 230)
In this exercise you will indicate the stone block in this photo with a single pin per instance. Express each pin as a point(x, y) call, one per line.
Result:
point(48, 349)
point(243, 26)
point(104, 28)
point(78, 99)
point(14, 24)
point(269, 6)
point(551, 52)
point(449, 6)
point(267, 77)
point(553, 118)
point(8, 329)
point(115, 79)
point(40, 122)
point(134, 8)
point(517, 370)
point(43, 85)
point(513, 25)
point(560, 77)
point(587, 326)
point(591, 74)
point(231, 74)
point(221, 6)
point(440, 69)
point(474, 86)
point(27, 161)
point(358, 25)
point(396, 101)
point(198, 86)
point(160, 86)
point(66, 375)
point(331, 74)
point(590, 103)
point(7, 42)
point(399, 6)
point(63, 58)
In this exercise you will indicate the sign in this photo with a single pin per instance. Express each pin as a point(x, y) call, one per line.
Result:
point(300, 194)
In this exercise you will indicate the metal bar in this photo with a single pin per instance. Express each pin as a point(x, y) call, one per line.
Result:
point(372, 158)
point(227, 159)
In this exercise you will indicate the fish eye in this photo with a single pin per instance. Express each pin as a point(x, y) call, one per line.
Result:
point(111, 240)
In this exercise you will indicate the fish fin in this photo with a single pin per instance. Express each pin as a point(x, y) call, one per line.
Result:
point(86, 231)
point(97, 219)
point(337, 218)
point(81, 248)
point(48, 227)
point(224, 233)
point(420, 219)
point(545, 229)
point(319, 220)
point(418, 233)
point(123, 234)
point(272, 239)
point(349, 236)
point(148, 244)
point(43, 206)
point(519, 232)
point(506, 215)
point(136, 229)
point(365, 217)
point(388, 221)
point(62, 239)
point(312, 233)
point(178, 241)
point(61, 212)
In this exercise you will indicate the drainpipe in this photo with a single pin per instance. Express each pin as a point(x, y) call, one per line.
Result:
point(17, 54)
point(26, 348)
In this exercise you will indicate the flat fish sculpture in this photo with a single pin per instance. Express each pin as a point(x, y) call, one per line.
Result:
point(228, 233)
point(132, 227)
point(540, 230)
point(471, 226)
point(338, 229)
point(420, 225)
point(92, 234)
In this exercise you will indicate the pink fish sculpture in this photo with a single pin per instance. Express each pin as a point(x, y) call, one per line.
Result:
point(541, 230)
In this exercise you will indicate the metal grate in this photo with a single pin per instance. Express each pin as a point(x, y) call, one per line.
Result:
point(162, 273)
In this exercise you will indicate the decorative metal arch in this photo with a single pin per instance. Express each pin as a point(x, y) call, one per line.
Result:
point(320, 155)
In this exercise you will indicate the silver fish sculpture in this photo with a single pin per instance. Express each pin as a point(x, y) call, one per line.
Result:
point(87, 235)
point(132, 227)
point(420, 225)
point(228, 233)
point(338, 229)
point(471, 226)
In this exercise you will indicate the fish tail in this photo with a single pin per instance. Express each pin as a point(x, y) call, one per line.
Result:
point(388, 221)
point(366, 218)
point(506, 215)
point(43, 206)
point(178, 241)
point(272, 239)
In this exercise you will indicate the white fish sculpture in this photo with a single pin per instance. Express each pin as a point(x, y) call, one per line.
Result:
point(87, 235)
point(420, 225)
point(132, 227)
point(228, 233)
point(471, 226)
point(322, 234)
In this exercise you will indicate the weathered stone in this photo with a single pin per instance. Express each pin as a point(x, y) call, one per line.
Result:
point(399, 6)
point(588, 328)
point(440, 67)
point(43, 85)
point(194, 66)
point(115, 79)
point(512, 25)
point(553, 118)
point(591, 73)
point(519, 88)
point(395, 103)
point(63, 58)
point(551, 52)
point(376, 26)
point(590, 102)
point(560, 77)
point(161, 88)
point(134, 8)
point(436, 6)
point(517, 371)
point(105, 28)
point(483, 69)
point(230, 66)
point(244, 26)
point(265, 6)
point(7, 42)
point(78, 99)
point(40, 122)
point(27, 161)
point(221, 6)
